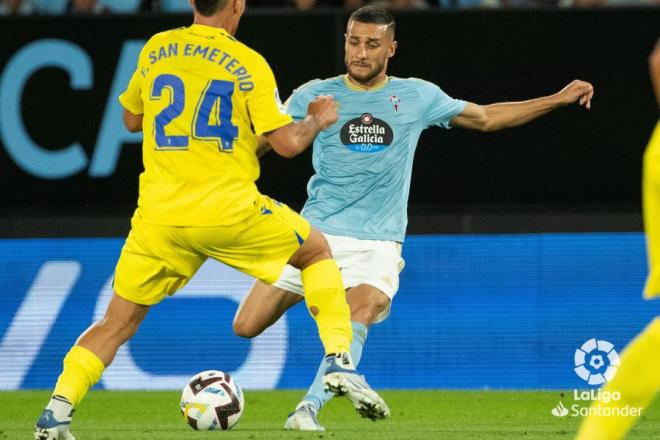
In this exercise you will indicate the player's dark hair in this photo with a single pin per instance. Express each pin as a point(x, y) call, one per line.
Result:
point(373, 14)
point(209, 7)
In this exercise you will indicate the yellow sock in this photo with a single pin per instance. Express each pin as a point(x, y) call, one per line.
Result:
point(82, 369)
point(637, 380)
point(326, 301)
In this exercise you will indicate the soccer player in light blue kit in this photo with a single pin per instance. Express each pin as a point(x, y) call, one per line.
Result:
point(359, 192)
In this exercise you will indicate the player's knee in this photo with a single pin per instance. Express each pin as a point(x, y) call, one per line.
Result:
point(368, 311)
point(245, 329)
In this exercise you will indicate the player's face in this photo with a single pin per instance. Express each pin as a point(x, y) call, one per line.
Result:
point(368, 48)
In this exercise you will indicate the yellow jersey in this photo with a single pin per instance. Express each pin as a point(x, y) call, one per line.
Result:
point(653, 147)
point(204, 97)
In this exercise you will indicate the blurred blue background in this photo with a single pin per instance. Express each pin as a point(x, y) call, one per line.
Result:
point(473, 311)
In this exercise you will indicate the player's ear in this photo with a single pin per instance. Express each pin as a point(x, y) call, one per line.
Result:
point(238, 6)
point(392, 50)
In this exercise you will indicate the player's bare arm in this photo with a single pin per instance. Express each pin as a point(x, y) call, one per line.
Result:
point(498, 116)
point(132, 121)
point(294, 138)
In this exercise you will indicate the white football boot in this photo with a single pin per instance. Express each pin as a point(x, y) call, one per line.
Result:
point(341, 378)
point(55, 421)
point(304, 418)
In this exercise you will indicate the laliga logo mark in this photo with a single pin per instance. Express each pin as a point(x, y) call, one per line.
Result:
point(596, 361)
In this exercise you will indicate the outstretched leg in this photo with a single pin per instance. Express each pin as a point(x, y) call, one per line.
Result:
point(366, 304)
point(326, 302)
point(324, 293)
point(85, 362)
point(262, 307)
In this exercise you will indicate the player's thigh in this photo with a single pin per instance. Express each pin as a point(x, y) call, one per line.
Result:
point(261, 245)
point(370, 272)
point(313, 250)
point(262, 307)
point(373, 263)
point(290, 280)
point(154, 262)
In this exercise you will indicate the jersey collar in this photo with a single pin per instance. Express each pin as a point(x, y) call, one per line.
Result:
point(352, 86)
point(208, 30)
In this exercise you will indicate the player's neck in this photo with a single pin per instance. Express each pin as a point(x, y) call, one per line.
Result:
point(376, 83)
point(219, 21)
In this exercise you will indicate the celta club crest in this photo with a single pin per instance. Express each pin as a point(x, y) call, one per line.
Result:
point(395, 102)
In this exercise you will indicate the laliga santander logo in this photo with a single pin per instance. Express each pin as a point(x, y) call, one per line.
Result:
point(596, 361)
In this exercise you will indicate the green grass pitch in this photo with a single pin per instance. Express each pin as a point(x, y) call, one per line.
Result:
point(427, 415)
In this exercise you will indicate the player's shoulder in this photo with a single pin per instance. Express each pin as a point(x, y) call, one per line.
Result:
point(237, 48)
point(319, 86)
point(412, 83)
point(158, 41)
point(246, 54)
point(163, 36)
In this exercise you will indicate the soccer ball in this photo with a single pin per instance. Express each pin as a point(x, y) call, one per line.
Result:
point(212, 400)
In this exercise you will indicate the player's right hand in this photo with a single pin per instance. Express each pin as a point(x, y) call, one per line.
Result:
point(324, 110)
point(578, 91)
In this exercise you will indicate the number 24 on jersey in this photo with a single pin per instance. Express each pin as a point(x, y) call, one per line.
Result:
point(212, 118)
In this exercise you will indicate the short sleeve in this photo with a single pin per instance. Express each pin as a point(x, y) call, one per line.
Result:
point(297, 103)
point(131, 99)
point(439, 107)
point(266, 109)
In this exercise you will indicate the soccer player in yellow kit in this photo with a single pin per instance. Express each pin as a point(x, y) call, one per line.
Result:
point(202, 98)
point(638, 377)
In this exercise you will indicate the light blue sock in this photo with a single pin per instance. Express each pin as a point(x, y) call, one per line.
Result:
point(316, 394)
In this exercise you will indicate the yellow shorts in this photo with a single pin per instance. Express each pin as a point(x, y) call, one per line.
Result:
point(158, 260)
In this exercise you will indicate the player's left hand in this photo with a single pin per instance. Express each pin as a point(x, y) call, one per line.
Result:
point(577, 91)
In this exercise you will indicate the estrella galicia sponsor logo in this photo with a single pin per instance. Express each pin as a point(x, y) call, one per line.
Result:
point(366, 134)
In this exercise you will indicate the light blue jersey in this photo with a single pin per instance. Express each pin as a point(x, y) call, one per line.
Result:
point(363, 163)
